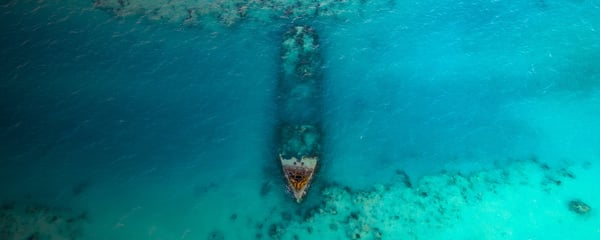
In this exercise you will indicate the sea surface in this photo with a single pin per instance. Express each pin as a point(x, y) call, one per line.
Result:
point(156, 130)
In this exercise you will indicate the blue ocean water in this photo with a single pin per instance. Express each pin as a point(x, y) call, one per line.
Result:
point(161, 131)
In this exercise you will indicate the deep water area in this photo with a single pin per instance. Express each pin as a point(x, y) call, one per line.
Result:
point(440, 119)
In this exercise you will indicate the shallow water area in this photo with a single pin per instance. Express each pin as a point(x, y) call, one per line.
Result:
point(442, 120)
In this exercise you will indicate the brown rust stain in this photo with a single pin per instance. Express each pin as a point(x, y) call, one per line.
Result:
point(298, 178)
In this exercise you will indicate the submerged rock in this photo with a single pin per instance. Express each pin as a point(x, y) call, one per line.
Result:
point(579, 207)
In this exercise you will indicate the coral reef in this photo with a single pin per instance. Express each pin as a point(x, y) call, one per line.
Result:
point(18, 221)
point(230, 12)
point(429, 207)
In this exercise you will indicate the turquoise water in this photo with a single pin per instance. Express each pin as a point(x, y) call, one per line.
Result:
point(156, 130)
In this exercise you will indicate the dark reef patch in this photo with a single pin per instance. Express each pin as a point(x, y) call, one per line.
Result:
point(201, 189)
point(216, 235)
point(579, 207)
point(286, 216)
point(333, 226)
point(276, 230)
point(265, 188)
point(404, 178)
point(80, 187)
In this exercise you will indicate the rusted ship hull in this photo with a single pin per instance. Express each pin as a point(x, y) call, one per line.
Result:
point(299, 109)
